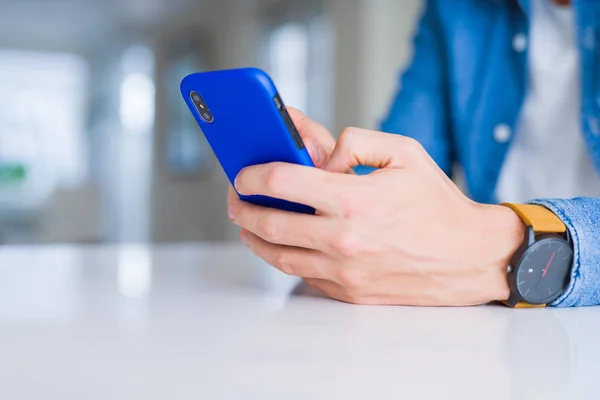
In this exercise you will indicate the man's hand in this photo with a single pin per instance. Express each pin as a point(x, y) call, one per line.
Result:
point(404, 234)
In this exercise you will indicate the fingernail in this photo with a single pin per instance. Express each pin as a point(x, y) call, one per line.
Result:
point(317, 154)
point(236, 182)
point(244, 237)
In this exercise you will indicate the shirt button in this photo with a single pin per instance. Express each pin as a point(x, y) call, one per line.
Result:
point(502, 133)
point(519, 42)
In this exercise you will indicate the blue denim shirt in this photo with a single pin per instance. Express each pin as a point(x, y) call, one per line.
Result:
point(467, 78)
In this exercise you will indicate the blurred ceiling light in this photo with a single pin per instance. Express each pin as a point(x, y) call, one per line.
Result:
point(137, 93)
point(288, 62)
point(137, 103)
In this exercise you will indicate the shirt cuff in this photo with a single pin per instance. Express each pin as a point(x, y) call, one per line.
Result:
point(582, 217)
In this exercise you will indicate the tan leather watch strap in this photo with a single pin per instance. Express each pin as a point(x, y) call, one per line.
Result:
point(522, 304)
point(539, 218)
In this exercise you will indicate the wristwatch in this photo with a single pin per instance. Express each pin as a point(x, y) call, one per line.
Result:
point(540, 270)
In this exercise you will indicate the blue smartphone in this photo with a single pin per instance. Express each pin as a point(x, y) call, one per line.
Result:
point(246, 123)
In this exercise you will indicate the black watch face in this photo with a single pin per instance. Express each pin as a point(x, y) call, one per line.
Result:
point(543, 271)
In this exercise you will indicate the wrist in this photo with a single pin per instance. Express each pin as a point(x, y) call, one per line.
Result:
point(500, 233)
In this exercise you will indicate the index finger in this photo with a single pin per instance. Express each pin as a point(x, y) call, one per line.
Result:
point(296, 183)
point(284, 228)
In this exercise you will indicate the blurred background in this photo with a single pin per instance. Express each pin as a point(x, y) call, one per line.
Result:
point(96, 143)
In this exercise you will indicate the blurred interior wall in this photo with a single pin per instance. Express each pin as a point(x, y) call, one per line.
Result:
point(386, 29)
point(135, 193)
point(193, 207)
point(372, 42)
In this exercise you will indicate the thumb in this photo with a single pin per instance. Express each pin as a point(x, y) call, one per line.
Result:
point(371, 148)
point(317, 139)
point(316, 151)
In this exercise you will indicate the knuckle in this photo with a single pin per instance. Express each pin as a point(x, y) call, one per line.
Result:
point(354, 281)
point(275, 178)
point(342, 201)
point(347, 136)
point(282, 263)
point(345, 245)
point(412, 147)
point(268, 228)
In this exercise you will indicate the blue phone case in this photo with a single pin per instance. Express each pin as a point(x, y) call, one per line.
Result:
point(251, 125)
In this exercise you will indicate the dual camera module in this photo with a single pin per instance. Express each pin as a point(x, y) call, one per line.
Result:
point(202, 108)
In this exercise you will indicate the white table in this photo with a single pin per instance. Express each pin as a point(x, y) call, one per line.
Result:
point(213, 322)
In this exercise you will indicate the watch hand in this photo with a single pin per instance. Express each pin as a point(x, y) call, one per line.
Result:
point(548, 265)
point(544, 271)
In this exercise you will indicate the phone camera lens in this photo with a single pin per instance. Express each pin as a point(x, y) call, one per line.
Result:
point(207, 116)
point(202, 108)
